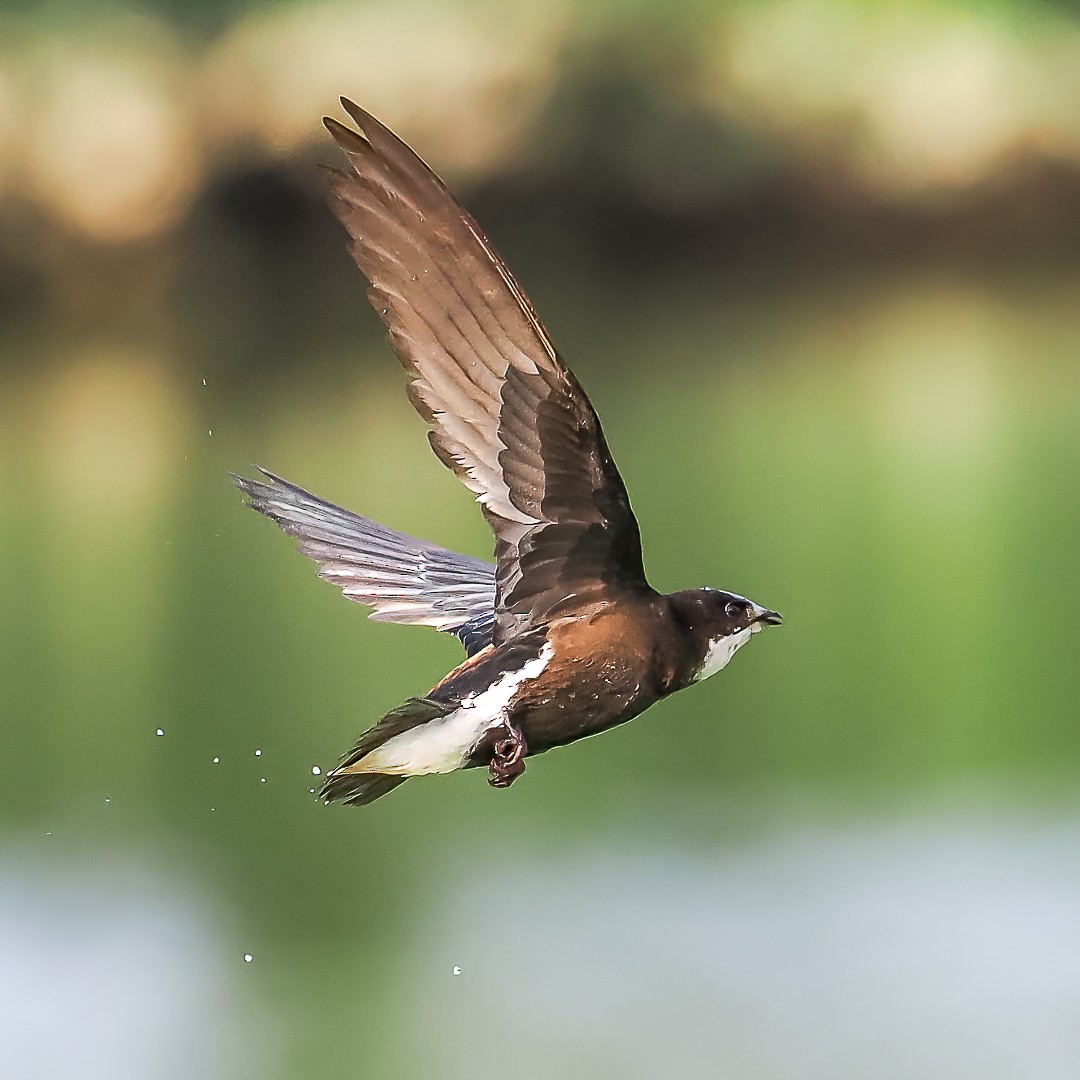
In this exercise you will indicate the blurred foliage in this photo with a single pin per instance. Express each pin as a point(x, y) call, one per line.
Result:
point(942, 114)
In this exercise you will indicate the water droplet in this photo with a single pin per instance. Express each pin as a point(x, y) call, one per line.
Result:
point(216, 761)
point(248, 958)
point(258, 753)
point(160, 731)
point(457, 970)
point(316, 771)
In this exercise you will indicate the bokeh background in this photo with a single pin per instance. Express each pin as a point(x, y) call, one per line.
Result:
point(817, 262)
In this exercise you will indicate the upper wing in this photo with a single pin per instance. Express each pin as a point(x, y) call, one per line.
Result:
point(403, 579)
point(506, 414)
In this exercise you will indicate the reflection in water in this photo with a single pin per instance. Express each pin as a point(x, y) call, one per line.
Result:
point(938, 949)
point(112, 973)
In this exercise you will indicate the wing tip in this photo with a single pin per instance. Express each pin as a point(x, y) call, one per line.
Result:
point(359, 116)
point(352, 142)
point(365, 122)
point(246, 484)
point(251, 487)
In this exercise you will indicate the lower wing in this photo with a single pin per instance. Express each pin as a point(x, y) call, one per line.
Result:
point(402, 579)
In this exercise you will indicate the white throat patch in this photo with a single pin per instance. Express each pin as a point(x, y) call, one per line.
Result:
point(721, 650)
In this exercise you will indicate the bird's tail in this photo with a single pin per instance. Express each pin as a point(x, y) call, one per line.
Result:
point(349, 783)
point(358, 789)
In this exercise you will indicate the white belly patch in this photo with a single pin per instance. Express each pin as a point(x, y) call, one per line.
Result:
point(441, 746)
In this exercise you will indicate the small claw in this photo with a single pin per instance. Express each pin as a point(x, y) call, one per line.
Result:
point(507, 758)
point(502, 776)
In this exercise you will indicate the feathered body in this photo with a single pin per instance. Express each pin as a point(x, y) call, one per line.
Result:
point(564, 636)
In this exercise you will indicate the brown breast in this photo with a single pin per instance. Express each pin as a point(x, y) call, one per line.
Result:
point(604, 671)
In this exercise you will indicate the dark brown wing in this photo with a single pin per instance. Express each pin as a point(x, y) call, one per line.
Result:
point(506, 415)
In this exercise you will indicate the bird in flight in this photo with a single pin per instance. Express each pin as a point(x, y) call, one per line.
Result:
point(564, 636)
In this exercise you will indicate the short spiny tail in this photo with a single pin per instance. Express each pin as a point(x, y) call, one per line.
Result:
point(348, 783)
point(358, 789)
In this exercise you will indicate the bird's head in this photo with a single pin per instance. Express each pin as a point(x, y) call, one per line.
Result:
point(720, 622)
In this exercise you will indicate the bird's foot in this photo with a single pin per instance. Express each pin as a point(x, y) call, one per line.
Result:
point(507, 757)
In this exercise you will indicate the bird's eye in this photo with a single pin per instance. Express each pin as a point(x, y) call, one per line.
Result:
point(735, 609)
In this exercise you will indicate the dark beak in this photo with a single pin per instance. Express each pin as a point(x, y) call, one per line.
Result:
point(770, 618)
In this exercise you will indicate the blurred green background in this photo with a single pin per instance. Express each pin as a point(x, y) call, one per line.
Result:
point(817, 263)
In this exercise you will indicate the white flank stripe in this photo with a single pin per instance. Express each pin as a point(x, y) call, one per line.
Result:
point(441, 746)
